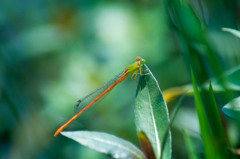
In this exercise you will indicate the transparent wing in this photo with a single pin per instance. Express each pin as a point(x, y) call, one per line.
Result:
point(81, 103)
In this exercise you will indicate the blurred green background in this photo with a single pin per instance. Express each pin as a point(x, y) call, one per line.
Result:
point(54, 52)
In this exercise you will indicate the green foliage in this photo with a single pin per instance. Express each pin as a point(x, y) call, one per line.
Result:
point(212, 132)
point(105, 143)
point(232, 31)
point(151, 114)
point(199, 55)
point(191, 149)
point(203, 122)
point(218, 134)
point(228, 81)
point(232, 109)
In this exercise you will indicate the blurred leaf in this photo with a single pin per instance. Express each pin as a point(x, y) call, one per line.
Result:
point(197, 50)
point(214, 139)
point(172, 117)
point(231, 78)
point(215, 123)
point(190, 146)
point(105, 143)
point(203, 122)
point(232, 31)
point(232, 109)
point(51, 37)
point(151, 114)
point(146, 145)
point(172, 93)
point(187, 21)
point(236, 151)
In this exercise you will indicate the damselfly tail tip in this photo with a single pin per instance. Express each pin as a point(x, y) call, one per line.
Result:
point(56, 134)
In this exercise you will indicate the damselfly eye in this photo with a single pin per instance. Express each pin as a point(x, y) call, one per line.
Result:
point(143, 61)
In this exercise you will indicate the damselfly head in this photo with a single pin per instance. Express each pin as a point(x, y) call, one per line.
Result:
point(141, 60)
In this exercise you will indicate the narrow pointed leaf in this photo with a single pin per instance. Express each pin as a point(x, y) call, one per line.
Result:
point(105, 143)
point(215, 124)
point(232, 109)
point(213, 136)
point(151, 114)
point(203, 122)
point(191, 150)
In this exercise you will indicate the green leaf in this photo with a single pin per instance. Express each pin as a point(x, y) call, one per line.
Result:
point(151, 114)
point(172, 117)
point(212, 132)
point(232, 109)
point(105, 143)
point(190, 146)
point(232, 31)
point(215, 123)
point(203, 122)
point(230, 78)
point(195, 39)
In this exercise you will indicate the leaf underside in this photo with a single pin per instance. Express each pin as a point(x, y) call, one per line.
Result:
point(232, 109)
point(105, 143)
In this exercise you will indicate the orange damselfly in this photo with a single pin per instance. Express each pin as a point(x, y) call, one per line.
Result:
point(83, 104)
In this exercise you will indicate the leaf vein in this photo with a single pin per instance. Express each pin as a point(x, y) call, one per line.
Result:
point(118, 145)
point(154, 124)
